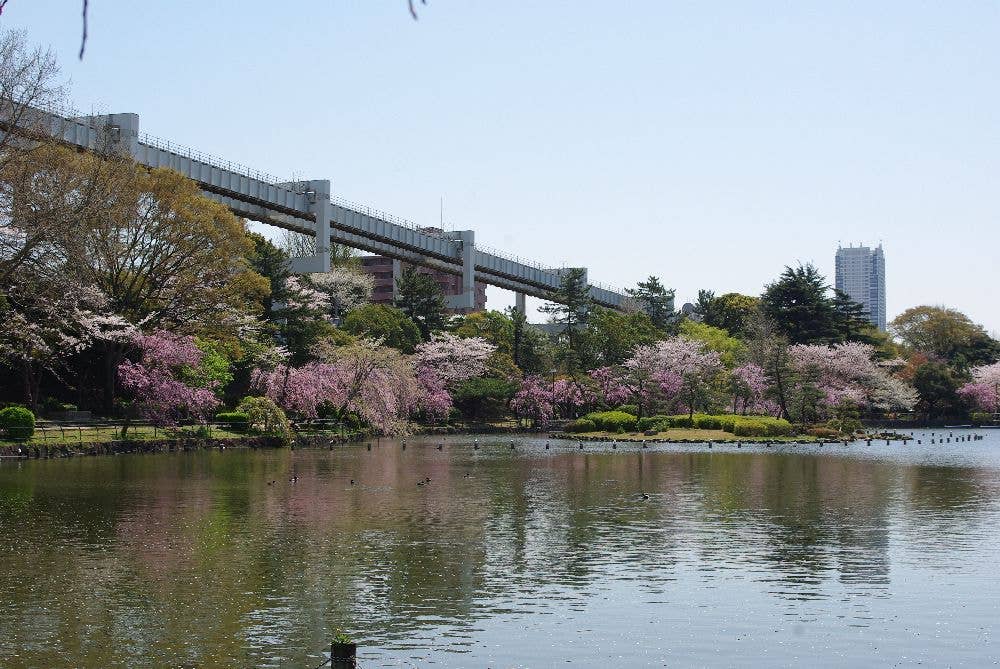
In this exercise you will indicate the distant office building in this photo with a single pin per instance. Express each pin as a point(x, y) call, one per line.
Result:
point(385, 271)
point(861, 274)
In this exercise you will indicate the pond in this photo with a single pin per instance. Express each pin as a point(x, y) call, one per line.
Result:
point(674, 555)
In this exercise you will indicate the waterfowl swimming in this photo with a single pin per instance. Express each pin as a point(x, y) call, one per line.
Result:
point(645, 496)
point(352, 481)
point(440, 447)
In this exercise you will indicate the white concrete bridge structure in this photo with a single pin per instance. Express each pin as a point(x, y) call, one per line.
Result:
point(308, 207)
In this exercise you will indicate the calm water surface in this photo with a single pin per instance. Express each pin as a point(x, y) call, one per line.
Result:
point(790, 556)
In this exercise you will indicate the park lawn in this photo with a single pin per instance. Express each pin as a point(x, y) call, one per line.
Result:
point(55, 436)
point(689, 434)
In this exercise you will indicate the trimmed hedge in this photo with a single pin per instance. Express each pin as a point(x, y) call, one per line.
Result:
point(650, 423)
point(740, 426)
point(581, 425)
point(762, 426)
point(628, 408)
point(613, 421)
point(17, 423)
point(237, 421)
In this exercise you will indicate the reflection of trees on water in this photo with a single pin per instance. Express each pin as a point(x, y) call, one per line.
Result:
point(196, 557)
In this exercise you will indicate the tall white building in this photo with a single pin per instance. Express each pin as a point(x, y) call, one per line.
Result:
point(861, 274)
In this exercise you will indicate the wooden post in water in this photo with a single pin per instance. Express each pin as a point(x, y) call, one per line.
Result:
point(343, 655)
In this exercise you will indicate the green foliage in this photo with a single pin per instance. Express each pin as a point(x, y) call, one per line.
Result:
point(847, 419)
point(946, 334)
point(17, 423)
point(656, 301)
point(613, 421)
point(938, 389)
point(730, 349)
point(236, 421)
point(342, 637)
point(801, 306)
point(823, 432)
point(649, 423)
point(53, 405)
point(214, 370)
point(581, 425)
point(572, 314)
point(731, 312)
point(741, 426)
point(265, 417)
point(380, 321)
point(762, 426)
point(495, 327)
point(419, 297)
point(611, 336)
point(483, 398)
point(981, 418)
point(628, 408)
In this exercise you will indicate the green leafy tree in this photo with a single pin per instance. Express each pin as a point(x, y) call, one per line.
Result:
point(800, 307)
point(656, 300)
point(732, 311)
point(730, 349)
point(483, 398)
point(496, 327)
point(380, 321)
point(946, 334)
point(611, 336)
point(850, 320)
point(421, 299)
point(571, 312)
point(938, 389)
point(530, 348)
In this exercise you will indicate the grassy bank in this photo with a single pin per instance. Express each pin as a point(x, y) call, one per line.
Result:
point(682, 435)
point(69, 436)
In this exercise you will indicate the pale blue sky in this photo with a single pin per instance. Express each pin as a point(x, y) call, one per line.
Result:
point(707, 143)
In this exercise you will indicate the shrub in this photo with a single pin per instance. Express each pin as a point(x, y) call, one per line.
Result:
point(844, 425)
point(981, 418)
point(581, 425)
point(17, 423)
point(705, 422)
point(613, 421)
point(762, 426)
point(265, 416)
point(649, 423)
point(682, 420)
point(823, 432)
point(237, 421)
point(629, 408)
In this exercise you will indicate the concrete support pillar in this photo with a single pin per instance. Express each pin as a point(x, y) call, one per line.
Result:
point(519, 302)
point(319, 202)
point(115, 133)
point(397, 271)
point(468, 297)
point(318, 195)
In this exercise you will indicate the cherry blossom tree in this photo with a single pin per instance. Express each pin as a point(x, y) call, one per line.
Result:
point(672, 373)
point(748, 383)
point(375, 382)
point(828, 376)
point(983, 392)
point(443, 363)
point(159, 381)
point(571, 396)
point(534, 400)
point(453, 359)
point(43, 324)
